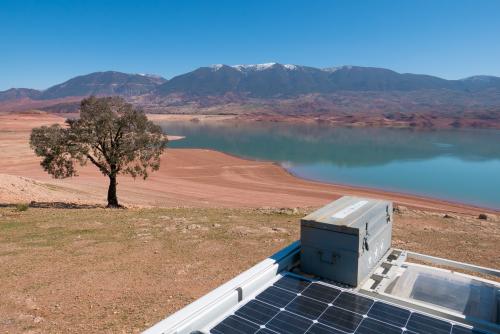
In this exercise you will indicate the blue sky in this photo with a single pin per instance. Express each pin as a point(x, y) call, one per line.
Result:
point(46, 42)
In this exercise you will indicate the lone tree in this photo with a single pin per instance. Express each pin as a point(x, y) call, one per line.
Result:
point(110, 133)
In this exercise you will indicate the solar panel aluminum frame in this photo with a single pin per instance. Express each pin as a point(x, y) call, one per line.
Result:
point(233, 311)
point(219, 301)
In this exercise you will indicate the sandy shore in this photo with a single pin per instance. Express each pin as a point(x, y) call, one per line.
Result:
point(187, 177)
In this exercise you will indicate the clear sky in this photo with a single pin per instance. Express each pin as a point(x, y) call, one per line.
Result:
point(46, 42)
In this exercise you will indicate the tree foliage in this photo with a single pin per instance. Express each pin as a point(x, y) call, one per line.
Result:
point(110, 133)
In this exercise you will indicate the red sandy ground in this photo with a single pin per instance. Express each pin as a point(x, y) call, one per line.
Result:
point(187, 177)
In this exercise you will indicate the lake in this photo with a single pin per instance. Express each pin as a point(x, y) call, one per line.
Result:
point(457, 165)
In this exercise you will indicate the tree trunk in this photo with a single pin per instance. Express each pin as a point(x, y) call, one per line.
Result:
point(112, 199)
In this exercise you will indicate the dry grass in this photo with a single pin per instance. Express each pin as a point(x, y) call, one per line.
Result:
point(98, 270)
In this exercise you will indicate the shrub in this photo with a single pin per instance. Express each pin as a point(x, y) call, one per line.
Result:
point(22, 207)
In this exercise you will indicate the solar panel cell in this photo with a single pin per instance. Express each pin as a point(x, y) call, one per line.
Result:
point(292, 284)
point(322, 329)
point(235, 325)
point(352, 302)
point(321, 292)
point(372, 326)
point(463, 330)
point(423, 324)
point(389, 313)
point(288, 323)
point(265, 331)
point(306, 307)
point(276, 296)
point(341, 319)
point(257, 312)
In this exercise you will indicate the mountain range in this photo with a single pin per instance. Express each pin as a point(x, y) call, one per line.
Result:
point(277, 89)
point(277, 80)
point(270, 80)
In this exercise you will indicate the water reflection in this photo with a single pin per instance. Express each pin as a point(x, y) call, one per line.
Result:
point(340, 146)
point(461, 165)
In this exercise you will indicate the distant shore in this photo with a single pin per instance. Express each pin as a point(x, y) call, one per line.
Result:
point(415, 122)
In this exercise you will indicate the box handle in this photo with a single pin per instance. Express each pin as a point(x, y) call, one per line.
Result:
point(327, 257)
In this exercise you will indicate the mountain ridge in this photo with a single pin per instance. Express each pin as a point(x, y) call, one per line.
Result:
point(274, 80)
point(103, 83)
point(343, 95)
point(265, 80)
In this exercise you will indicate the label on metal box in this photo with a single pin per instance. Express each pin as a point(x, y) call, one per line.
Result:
point(349, 209)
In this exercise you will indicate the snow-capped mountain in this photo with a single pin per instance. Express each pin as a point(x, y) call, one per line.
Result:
point(254, 80)
point(260, 67)
point(278, 80)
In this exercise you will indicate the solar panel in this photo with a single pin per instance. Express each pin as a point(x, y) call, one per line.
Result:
point(322, 329)
point(341, 319)
point(306, 307)
point(322, 293)
point(354, 303)
point(265, 331)
point(424, 324)
point(297, 306)
point(257, 312)
point(276, 296)
point(462, 330)
point(372, 326)
point(293, 284)
point(286, 322)
point(234, 324)
point(391, 314)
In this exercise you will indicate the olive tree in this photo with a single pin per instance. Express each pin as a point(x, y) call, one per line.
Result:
point(111, 134)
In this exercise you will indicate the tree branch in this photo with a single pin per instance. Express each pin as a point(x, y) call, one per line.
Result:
point(100, 166)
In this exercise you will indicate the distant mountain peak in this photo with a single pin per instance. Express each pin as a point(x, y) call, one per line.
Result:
point(217, 67)
point(255, 67)
point(104, 83)
point(19, 93)
point(147, 75)
point(483, 78)
point(336, 68)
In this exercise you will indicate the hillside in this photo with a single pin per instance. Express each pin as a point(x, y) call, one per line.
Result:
point(345, 95)
point(277, 80)
point(19, 93)
point(104, 83)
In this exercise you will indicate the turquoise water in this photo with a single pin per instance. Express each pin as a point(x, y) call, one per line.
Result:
point(457, 165)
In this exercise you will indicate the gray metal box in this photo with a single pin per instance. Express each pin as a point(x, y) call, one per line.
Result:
point(344, 240)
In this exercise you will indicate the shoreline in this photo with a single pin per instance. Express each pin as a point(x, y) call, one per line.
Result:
point(438, 204)
point(187, 177)
point(398, 193)
point(362, 121)
point(363, 189)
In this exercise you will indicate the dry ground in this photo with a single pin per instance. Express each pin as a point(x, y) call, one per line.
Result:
point(194, 177)
point(120, 271)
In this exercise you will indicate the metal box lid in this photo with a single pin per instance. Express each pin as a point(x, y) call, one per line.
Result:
point(347, 214)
